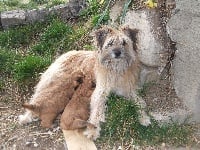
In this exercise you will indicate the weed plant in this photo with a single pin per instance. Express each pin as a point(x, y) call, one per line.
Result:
point(122, 125)
point(50, 39)
point(98, 12)
point(20, 36)
point(7, 60)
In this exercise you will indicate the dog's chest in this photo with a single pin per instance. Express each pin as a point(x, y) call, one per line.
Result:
point(121, 85)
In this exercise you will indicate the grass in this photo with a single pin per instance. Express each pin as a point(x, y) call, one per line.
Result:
point(128, 2)
point(26, 51)
point(122, 126)
point(50, 39)
point(6, 5)
point(29, 68)
point(7, 59)
point(20, 36)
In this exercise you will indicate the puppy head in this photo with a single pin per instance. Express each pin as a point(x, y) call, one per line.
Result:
point(116, 48)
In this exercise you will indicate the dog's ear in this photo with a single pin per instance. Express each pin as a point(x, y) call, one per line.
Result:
point(31, 107)
point(132, 34)
point(100, 36)
point(81, 124)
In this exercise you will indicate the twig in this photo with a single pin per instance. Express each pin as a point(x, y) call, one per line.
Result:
point(124, 11)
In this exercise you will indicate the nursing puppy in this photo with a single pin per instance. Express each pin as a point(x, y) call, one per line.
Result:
point(77, 111)
point(74, 118)
point(116, 70)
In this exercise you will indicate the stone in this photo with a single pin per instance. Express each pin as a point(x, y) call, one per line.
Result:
point(36, 15)
point(12, 18)
point(152, 38)
point(153, 42)
point(184, 28)
point(65, 11)
point(69, 10)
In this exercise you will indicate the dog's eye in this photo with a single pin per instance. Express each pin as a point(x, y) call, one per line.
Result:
point(110, 43)
point(123, 42)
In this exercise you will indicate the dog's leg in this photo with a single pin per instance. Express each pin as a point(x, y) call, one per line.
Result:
point(143, 118)
point(97, 112)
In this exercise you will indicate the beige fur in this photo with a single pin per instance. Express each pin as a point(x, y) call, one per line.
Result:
point(56, 87)
point(116, 70)
point(75, 140)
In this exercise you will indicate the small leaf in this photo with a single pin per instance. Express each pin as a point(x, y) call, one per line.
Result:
point(101, 2)
point(151, 3)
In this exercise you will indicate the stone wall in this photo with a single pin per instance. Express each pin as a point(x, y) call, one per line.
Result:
point(64, 11)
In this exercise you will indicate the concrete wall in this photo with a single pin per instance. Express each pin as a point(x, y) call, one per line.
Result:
point(184, 28)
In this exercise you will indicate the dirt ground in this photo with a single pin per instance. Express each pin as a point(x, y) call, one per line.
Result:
point(28, 137)
point(33, 137)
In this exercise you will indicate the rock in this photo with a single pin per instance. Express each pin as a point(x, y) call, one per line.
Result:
point(36, 15)
point(35, 144)
point(28, 143)
point(179, 116)
point(184, 28)
point(64, 11)
point(153, 42)
point(152, 38)
point(11, 18)
point(115, 12)
point(71, 10)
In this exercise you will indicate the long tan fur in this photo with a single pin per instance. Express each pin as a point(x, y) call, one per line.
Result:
point(57, 86)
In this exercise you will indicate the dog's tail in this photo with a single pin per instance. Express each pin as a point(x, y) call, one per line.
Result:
point(75, 140)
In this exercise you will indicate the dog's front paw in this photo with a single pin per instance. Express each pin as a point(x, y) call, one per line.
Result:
point(145, 120)
point(24, 119)
point(92, 133)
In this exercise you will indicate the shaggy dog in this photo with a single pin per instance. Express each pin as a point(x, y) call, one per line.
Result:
point(116, 70)
point(57, 86)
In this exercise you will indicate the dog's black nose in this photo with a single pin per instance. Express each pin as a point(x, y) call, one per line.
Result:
point(117, 52)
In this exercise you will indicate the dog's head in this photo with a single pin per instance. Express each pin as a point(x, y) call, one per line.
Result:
point(116, 48)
